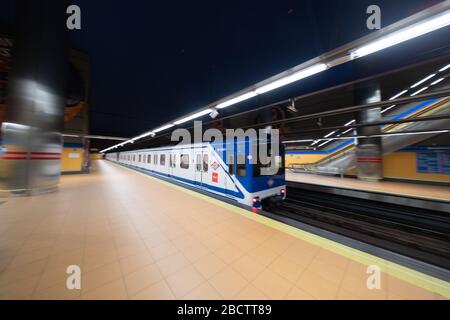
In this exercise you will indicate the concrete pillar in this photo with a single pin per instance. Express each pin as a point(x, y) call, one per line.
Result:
point(31, 131)
point(369, 153)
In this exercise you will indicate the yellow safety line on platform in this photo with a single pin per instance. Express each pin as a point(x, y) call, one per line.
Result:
point(414, 277)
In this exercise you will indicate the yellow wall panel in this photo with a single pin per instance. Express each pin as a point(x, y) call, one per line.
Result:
point(303, 158)
point(403, 165)
point(72, 160)
point(399, 165)
point(95, 156)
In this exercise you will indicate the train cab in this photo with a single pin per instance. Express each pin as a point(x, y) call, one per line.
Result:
point(263, 181)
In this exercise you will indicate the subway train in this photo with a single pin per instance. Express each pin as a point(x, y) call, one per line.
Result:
point(203, 167)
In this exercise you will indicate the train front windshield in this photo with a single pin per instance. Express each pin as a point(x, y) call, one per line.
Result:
point(278, 163)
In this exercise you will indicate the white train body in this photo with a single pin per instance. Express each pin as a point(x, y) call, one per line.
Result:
point(202, 167)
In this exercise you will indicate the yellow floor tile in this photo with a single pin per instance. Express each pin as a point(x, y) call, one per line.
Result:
point(142, 278)
point(286, 268)
point(229, 253)
point(111, 291)
point(228, 283)
point(57, 291)
point(358, 286)
point(203, 292)
point(21, 289)
point(132, 263)
point(327, 270)
point(298, 294)
point(272, 285)
point(251, 293)
point(157, 291)
point(405, 290)
point(100, 276)
point(248, 267)
point(173, 263)
point(317, 286)
point(209, 265)
point(163, 250)
point(263, 255)
point(184, 281)
point(195, 252)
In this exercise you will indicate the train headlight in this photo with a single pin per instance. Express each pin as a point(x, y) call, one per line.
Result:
point(256, 202)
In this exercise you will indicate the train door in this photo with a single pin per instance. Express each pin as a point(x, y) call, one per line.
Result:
point(231, 163)
point(171, 164)
point(198, 168)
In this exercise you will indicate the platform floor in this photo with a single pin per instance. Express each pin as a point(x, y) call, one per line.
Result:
point(135, 237)
point(423, 191)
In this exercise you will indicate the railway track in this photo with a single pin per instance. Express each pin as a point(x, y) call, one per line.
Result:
point(417, 233)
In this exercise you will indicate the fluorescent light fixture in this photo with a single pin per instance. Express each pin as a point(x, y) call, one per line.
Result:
point(403, 35)
point(330, 134)
point(315, 142)
point(388, 108)
point(423, 80)
point(444, 68)
point(276, 84)
point(324, 143)
point(398, 95)
point(437, 81)
point(347, 131)
point(238, 99)
point(419, 91)
point(410, 133)
point(150, 133)
point(146, 134)
point(349, 123)
point(193, 116)
point(292, 78)
point(167, 126)
point(298, 141)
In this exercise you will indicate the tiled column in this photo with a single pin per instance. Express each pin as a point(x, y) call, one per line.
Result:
point(369, 153)
point(36, 98)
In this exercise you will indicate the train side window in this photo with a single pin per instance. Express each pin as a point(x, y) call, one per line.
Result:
point(139, 160)
point(198, 162)
point(241, 168)
point(172, 160)
point(184, 161)
point(155, 159)
point(205, 163)
point(162, 160)
point(231, 164)
point(149, 159)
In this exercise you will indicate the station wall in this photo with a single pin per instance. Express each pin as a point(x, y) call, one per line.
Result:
point(95, 156)
point(403, 165)
point(72, 159)
point(398, 165)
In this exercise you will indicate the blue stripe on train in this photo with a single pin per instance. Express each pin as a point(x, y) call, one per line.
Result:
point(206, 187)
